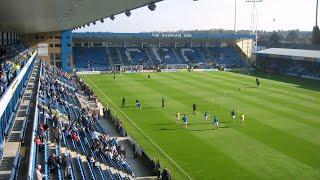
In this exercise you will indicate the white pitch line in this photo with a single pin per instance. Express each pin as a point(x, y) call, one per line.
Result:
point(141, 131)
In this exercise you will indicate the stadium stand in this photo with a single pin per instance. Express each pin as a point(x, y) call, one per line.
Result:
point(69, 140)
point(12, 59)
point(294, 62)
point(15, 109)
point(94, 58)
point(291, 67)
point(128, 56)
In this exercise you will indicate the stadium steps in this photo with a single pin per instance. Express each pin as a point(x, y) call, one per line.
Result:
point(120, 57)
point(52, 151)
point(76, 166)
point(149, 56)
point(109, 57)
point(115, 171)
point(85, 103)
point(15, 134)
point(85, 165)
point(13, 148)
point(210, 53)
point(202, 56)
point(174, 50)
point(76, 151)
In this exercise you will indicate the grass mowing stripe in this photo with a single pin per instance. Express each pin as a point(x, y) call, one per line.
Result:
point(267, 95)
point(275, 140)
point(267, 162)
point(142, 132)
point(275, 106)
point(283, 89)
point(219, 160)
point(298, 129)
point(129, 127)
point(295, 164)
point(287, 166)
point(290, 88)
point(283, 140)
point(201, 152)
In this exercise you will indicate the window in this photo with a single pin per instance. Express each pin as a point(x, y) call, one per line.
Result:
point(59, 64)
point(51, 37)
point(77, 44)
point(51, 45)
point(68, 37)
point(68, 45)
point(57, 37)
point(37, 37)
point(51, 59)
point(97, 44)
point(57, 56)
point(57, 45)
point(41, 37)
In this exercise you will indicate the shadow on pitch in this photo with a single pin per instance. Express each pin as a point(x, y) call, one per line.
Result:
point(163, 124)
point(303, 83)
point(199, 130)
point(251, 87)
point(170, 129)
point(150, 107)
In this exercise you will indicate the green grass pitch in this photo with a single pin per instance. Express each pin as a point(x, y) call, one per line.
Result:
point(280, 140)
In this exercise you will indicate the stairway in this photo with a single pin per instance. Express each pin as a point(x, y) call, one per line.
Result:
point(120, 57)
point(202, 56)
point(210, 53)
point(15, 148)
point(176, 55)
point(74, 155)
point(109, 57)
point(149, 56)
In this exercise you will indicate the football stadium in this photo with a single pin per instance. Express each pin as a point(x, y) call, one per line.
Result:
point(85, 104)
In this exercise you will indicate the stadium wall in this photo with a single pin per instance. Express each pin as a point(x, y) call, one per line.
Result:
point(66, 51)
point(48, 46)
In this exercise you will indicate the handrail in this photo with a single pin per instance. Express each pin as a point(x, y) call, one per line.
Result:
point(6, 97)
point(35, 123)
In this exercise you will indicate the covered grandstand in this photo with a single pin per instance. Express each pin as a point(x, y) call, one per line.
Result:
point(102, 51)
point(296, 62)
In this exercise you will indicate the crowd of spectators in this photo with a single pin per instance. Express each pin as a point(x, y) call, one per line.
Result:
point(59, 125)
point(10, 65)
point(289, 66)
point(76, 126)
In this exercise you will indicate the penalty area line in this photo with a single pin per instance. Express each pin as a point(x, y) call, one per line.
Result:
point(140, 130)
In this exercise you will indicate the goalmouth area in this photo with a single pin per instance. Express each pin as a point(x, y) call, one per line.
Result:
point(280, 139)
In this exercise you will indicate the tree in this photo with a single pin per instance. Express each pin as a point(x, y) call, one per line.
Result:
point(292, 36)
point(274, 39)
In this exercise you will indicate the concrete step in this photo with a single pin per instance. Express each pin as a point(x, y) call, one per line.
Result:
point(103, 166)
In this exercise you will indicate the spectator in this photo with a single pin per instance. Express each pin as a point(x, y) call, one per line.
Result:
point(157, 169)
point(165, 174)
point(52, 162)
point(39, 143)
point(95, 135)
point(57, 134)
point(66, 167)
point(74, 136)
point(40, 175)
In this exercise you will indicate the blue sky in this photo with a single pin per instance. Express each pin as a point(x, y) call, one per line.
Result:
point(173, 15)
